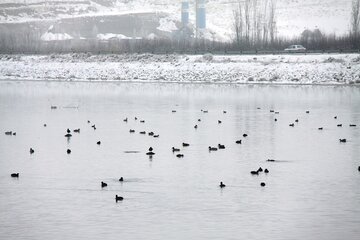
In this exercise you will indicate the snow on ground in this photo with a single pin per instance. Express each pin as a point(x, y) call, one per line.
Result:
point(274, 69)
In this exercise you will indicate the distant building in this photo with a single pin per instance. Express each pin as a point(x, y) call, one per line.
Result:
point(185, 13)
point(200, 14)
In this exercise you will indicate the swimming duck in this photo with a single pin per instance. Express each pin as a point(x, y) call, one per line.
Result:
point(212, 148)
point(238, 141)
point(32, 151)
point(8, 133)
point(297, 120)
point(220, 146)
point(245, 135)
point(339, 125)
point(224, 112)
point(175, 149)
point(196, 126)
point(151, 133)
point(94, 127)
point(275, 119)
point(321, 128)
point(125, 120)
point(260, 169)
point(151, 149)
point(68, 151)
point(254, 173)
point(342, 140)
point(98, 142)
point(292, 125)
point(185, 144)
point(180, 155)
point(262, 184)
point(103, 184)
point(77, 130)
point(142, 132)
point(142, 121)
point(68, 131)
point(15, 175)
point(266, 170)
point(121, 179)
point(132, 131)
point(222, 185)
point(352, 125)
point(173, 111)
point(118, 198)
point(156, 136)
point(219, 121)
point(150, 153)
point(308, 112)
point(271, 160)
point(335, 117)
point(199, 120)
point(272, 111)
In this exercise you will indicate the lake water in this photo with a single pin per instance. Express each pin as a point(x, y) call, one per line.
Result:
point(312, 190)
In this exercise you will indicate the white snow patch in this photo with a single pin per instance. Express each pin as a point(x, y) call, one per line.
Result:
point(167, 25)
point(48, 36)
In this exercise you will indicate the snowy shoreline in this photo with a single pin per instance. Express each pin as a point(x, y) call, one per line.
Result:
point(315, 69)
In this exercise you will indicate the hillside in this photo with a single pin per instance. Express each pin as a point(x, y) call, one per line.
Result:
point(331, 16)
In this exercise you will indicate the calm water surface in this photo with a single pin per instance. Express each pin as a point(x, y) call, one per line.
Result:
point(312, 192)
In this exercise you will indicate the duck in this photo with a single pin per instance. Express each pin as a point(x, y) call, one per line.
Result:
point(151, 149)
point(196, 126)
point(342, 140)
point(8, 133)
point(15, 175)
point(135, 118)
point(175, 149)
point(307, 112)
point(271, 160)
point(220, 146)
point(125, 120)
point(180, 155)
point(142, 121)
point(292, 125)
point(254, 173)
point(219, 122)
point(77, 130)
point(320, 128)
point(260, 169)
point(277, 112)
point(88, 121)
point(132, 131)
point(68, 131)
point(199, 120)
point(266, 170)
point(45, 125)
point(262, 184)
point(94, 127)
point(68, 151)
point(222, 185)
point(151, 133)
point(98, 142)
point(68, 135)
point(335, 117)
point(142, 132)
point(359, 168)
point(238, 141)
point(118, 198)
point(121, 179)
point(224, 112)
point(14, 133)
point(32, 151)
point(185, 144)
point(245, 135)
point(339, 125)
point(103, 184)
point(275, 119)
point(212, 148)
point(156, 136)
point(297, 120)
point(272, 111)
point(352, 125)
point(53, 107)
point(173, 111)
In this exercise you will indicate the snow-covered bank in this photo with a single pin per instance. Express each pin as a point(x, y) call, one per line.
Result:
point(275, 69)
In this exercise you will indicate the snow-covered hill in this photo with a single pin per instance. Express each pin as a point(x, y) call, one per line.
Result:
point(331, 16)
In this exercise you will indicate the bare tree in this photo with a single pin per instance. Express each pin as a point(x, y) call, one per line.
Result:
point(355, 18)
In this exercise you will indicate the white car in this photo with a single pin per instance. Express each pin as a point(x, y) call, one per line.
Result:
point(295, 48)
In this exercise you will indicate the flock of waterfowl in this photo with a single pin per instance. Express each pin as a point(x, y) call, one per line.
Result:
point(151, 152)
